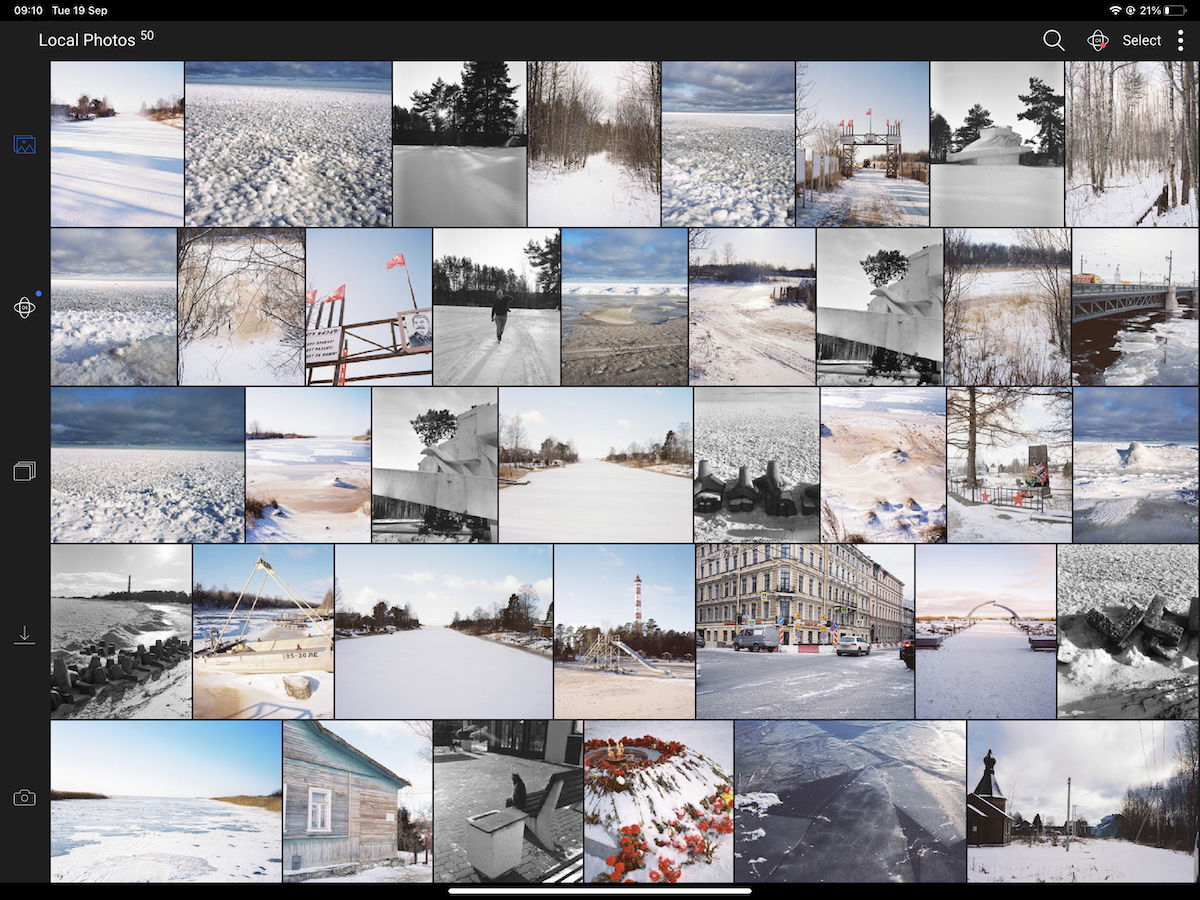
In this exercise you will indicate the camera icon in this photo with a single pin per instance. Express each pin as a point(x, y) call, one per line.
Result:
point(24, 797)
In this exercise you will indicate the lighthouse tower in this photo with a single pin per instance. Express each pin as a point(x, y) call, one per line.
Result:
point(637, 602)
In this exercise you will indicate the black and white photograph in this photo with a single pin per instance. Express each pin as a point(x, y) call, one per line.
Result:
point(434, 465)
point(459, 143)
point(997, 140)
point(508, 801)
point(594, 137)
point(758, 463)
point(1131, 143)
point(120, 651)
point(879, 307)
point(1127, 631)
point(727, 149)
point(497, 305)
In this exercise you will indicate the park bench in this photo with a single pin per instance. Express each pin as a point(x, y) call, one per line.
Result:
point(1043, 642)
point(564, 789)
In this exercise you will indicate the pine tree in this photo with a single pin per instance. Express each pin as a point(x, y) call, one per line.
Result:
point(489, 109)
point(940, 137)
point(1046, 109)
point(977, 118)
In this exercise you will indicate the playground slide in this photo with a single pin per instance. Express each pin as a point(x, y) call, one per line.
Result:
point(642, 659)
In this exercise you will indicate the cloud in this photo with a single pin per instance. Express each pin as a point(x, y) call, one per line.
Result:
point(612, 558)
point(624, 423)
point(650, 254)
point(117, 253)
point(532, 416)
point(375, 73)
point(742, 87)
point(1135, 414)
point(147, 417)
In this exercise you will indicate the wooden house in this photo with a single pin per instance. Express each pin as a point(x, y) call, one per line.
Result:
point(339, 805)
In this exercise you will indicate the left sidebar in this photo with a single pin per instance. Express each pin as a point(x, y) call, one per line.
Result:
point(25, 317)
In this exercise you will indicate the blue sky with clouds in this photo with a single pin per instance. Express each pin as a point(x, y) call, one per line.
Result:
point(625, 254)
point(182, 418)
point(372, 76)
point(117, 253)
point(729, 87)
point(1135, 414)
point(595, 584)
point(308, 568)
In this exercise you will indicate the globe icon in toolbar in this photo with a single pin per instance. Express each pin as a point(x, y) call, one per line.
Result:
point(1097, 40)
point(24, 307)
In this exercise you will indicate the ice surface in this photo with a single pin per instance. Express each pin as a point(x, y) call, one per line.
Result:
point(288, 156)
point(122, 170)
point(1125, 496)
point(469, 354)
point(322, 487)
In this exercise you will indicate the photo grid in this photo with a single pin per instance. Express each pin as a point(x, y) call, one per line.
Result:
point(923, 337)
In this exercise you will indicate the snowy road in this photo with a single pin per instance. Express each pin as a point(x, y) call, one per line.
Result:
point(443, 186)
point(436, 672)
point(739, 336)
point(467, 353)
point(735, 685)
point(986, 672)
point(119, 171)
point(597, 501)
point(869, 198)
point(1089, 862)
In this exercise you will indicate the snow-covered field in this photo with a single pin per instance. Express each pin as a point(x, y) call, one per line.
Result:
point(750, 428)
point(855, 801)
point(582, 692)
point(1090, 861)
point(1093, 683)
point(1133, 492)
point(869, 199)
point(417, 873)
point(655, 798)
point(469, 354)
point(990, 195)
point(288, 156)
point(986, 671)
point(597, 501)
point(1124, 203)
point(158, 839)
point(322, 487)
point(985, 523)
point(122, 170)
point(883, 474)
point(76, 623)
point(461, 677)
point(738, 335)
point(112, 332)
point(727, 169)
point(1005, 337)
point(128, 495)
point(602, 192)
point(481, 187)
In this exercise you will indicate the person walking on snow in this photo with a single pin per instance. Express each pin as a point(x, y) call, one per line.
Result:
point(500, 312)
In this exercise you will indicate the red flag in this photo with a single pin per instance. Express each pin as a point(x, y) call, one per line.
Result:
point(842, 124)
point(339, 294)
point(397, 260)
point(311, 296)
point(868, 112)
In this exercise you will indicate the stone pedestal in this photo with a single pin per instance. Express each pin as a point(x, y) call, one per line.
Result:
point(494, 841)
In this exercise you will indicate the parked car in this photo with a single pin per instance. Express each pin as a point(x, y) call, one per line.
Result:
point(757, 638)
point(700, 641)
point(908, 653)
point(853, 645)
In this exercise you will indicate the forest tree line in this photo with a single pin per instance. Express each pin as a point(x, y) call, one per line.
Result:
point(144, 596)
point(515, 449)
point(223, 598)
point(570, 118)
point(460, 281)
point(647, 639)
point(480, 110)
point(1043, 108)
point(519, 613)
point(675, 447)
point(382, 615)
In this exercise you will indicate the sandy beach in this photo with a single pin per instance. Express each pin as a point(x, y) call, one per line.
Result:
point(585, 693)
point(611, 347)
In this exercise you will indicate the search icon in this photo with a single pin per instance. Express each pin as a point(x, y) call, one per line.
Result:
point(1053, 38)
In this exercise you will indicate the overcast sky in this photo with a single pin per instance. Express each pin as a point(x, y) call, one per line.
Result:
point(308, 568)
point(441, 579)
point(597, 418)
point(841, 281)
point(595, 584)
point(397, 746)
point(420, 76)
point(345, 412)
point(191, 417)
point(791, 247)
point(957, 86)
point(394, 444)
point(1035, 759)
point(891, 90)
point(954, 578)
point(897, 559)
point(1135, 414)
point(729, 87)
point(173, 759)
point(83, 570)
point(356, 75)
point(116, 253)
point(502, 247)
point(1140, 253)
point(882, 399)
point(126, 84)
point(655, 255)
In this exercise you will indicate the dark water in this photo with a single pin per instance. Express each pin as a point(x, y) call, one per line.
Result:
point(1094, 344)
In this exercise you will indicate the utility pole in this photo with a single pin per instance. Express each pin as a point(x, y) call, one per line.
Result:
point(1170, 258)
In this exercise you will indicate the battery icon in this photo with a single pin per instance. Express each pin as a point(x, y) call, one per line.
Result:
point(1177, 10)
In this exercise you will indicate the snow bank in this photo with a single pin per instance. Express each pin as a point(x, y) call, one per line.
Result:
point(602, 192)
point(479, 187)
point(992, 195)
point(1089, 861)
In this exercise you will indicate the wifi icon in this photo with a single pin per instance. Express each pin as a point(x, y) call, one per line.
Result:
point(1115, 10)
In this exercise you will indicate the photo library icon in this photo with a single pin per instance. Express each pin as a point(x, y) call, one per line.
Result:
point(24, 797)
point(1097, 40)
point(24, 144)
point(24, 470)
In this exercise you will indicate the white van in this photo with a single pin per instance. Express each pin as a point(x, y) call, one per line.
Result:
point(757, 638)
